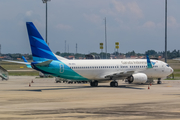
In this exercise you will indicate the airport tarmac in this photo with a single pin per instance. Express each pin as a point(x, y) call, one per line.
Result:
point(47, 100)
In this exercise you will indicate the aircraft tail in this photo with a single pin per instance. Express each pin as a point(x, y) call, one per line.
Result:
point(40, 50)
point(149, 65)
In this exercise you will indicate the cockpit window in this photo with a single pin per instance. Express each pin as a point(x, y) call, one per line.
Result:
point(167, 65)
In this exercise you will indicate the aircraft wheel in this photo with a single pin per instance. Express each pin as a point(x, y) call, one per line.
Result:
point(158, 82)
point(94, 84)
point(114, 84)
point(111, 84)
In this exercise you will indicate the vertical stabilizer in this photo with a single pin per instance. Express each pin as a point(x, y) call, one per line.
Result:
point(40, 50)
point(149, 65)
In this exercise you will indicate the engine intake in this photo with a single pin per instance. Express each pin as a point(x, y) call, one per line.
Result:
point(138, 78)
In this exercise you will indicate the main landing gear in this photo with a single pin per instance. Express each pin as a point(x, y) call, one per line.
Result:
point(159, 81)
point(114, 84)
point(94, 83)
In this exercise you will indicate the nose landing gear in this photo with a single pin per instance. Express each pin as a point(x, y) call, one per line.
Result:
point(159, 81)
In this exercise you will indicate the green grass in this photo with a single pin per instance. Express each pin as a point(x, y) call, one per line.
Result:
point(23, 73)
point(176, 70)
point(13, 66)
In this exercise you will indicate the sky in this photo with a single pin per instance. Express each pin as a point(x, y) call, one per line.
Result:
point(137, 25)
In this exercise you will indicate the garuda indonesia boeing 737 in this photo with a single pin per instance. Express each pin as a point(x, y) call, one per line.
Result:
point(96, 70)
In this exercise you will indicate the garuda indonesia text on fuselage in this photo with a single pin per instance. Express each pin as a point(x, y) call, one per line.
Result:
point(95, 71)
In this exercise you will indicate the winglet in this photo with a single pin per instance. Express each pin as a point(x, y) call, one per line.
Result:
point(28, 65)
point(149, 65)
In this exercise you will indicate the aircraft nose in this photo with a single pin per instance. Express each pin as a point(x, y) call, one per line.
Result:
point(171, 70)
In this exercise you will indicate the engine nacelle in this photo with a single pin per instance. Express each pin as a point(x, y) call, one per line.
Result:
point(138, 78)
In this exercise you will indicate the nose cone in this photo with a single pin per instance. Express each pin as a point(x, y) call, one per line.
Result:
point(171, 70)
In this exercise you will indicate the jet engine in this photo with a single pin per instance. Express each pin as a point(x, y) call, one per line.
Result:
point(138, 78)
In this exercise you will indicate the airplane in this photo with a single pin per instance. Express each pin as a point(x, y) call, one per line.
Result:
point(95, 70)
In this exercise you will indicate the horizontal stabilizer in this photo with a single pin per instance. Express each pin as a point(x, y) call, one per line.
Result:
point(43, 64)
point(17, 62)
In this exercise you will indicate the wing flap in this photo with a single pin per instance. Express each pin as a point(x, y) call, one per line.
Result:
point(120, 75)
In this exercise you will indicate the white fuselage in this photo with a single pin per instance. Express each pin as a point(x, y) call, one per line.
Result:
point(98, 69)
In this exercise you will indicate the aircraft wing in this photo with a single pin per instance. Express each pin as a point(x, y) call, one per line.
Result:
point(120, 75)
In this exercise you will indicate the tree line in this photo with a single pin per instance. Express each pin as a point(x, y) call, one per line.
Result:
point(152, 53)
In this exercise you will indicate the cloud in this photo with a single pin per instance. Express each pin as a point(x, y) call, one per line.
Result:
point(124, 13)
point(29, 13)
point(119, 6)
point(135, 9)
point(93, 18)
point(149, 24)
point(172, 22)
point(63, 27)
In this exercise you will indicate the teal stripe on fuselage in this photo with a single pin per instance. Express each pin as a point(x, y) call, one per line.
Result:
point(59, 69)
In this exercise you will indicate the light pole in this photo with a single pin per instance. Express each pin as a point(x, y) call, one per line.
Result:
point(166, 31)
point(105, 38)
point(45, 1)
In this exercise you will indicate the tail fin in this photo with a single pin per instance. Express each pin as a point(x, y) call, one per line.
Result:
point(149, 65)
point(40, 50)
